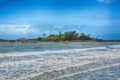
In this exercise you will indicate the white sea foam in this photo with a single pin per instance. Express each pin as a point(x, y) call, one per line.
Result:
point(70, 66)
point(19, 54)
point(86, 57)
point(57, 63)
point(86, 71)
point(79, 63)
point(114, 46)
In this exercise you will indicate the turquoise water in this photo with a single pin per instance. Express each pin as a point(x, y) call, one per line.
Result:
point(60, 61)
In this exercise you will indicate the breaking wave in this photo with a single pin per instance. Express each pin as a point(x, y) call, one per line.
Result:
point(19, 54)
point(57, 64)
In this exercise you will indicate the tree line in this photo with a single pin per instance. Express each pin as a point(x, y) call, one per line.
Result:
point(67, 36)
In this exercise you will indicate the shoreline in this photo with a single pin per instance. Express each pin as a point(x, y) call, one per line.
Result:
point(63, 41)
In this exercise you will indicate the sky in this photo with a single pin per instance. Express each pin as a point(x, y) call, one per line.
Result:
point(33, 18)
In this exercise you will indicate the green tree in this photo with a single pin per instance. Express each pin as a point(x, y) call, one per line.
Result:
point(84, 36)
point(71, 35)
point(44, 35)
point(52, 37)
point(40, 38)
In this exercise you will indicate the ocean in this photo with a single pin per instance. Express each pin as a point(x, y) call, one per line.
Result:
point(60, 61)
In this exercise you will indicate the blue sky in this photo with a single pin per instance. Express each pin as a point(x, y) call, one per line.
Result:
point(32, 18)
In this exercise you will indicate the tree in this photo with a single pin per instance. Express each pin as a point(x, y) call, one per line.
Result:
point(84, 36)
point(71, 35)
point(60, 35)
point(52, 37)
point(40, 38)
point(44, 35)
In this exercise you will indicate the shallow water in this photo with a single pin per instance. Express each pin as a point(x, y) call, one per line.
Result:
point(7, 47)
point(60, 61)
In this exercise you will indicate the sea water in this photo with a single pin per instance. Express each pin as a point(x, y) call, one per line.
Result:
point(60, 61)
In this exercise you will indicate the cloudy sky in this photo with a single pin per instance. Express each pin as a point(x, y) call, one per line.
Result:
point(32, 18)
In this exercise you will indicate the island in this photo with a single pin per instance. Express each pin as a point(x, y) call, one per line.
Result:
point(68, 36)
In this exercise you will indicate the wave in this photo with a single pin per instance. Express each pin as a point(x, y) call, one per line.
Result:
point(20, 54)
point(91, 56)
point(97, 58)
point(86, 71)
point(114, 46)
point(59, 66)
point(72, 70)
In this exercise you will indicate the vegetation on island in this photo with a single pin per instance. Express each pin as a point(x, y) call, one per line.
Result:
point(4, 40)
point(66, 36)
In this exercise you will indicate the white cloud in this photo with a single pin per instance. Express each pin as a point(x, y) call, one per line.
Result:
point(16, 29)
point(107, 1)
point(59, 26)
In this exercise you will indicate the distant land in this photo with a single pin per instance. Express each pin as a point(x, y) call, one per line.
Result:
point(68, 36)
